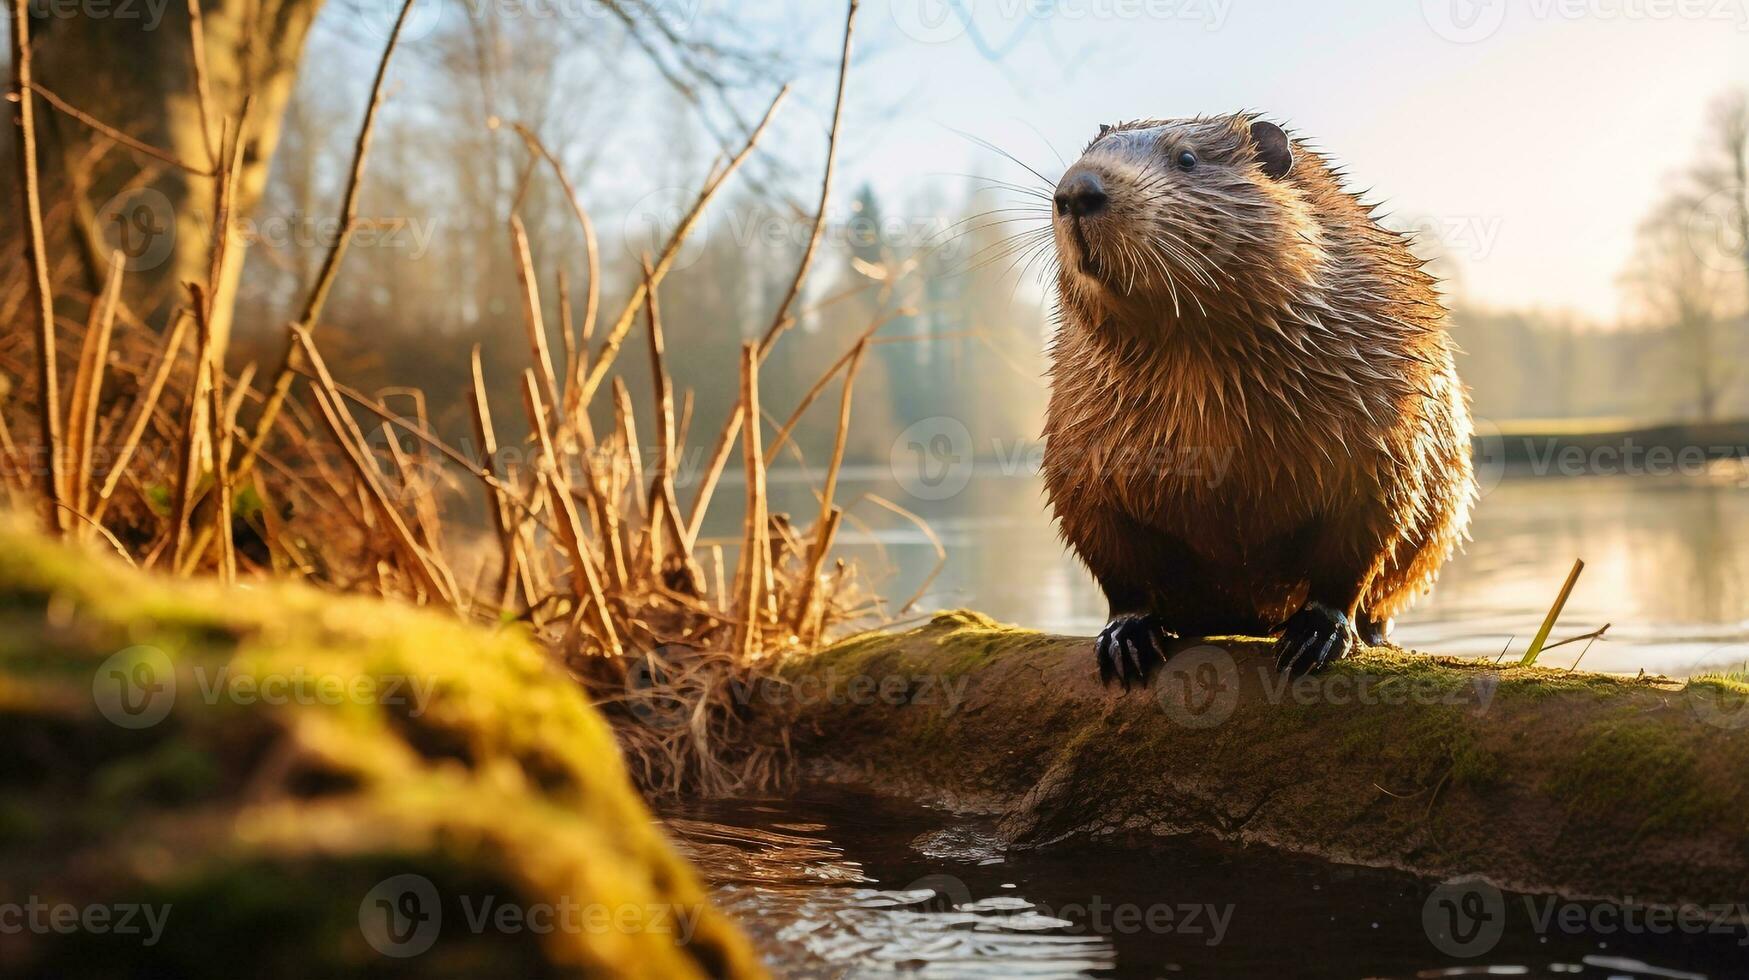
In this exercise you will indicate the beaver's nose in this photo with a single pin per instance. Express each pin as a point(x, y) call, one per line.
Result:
point(1081, 195)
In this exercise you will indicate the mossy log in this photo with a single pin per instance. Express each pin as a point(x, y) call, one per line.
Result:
point(1540, 780)
point(267, 776)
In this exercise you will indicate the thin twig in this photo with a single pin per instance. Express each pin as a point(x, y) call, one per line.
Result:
point(48, 393)
point(600, 363)
point(780, 320)
point(318, 297)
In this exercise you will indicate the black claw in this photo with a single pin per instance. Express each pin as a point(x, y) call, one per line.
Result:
point(1373, 633)
point(1129, 648)
point(1312, 639)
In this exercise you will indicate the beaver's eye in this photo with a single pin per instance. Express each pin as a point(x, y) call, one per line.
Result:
point(1187, 160)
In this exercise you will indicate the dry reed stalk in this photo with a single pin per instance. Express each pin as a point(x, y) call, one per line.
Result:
point(48, 393)
point(531, 312)
point(934, 540)
point(755, 556)
point(804, 623)
point(318, 297)
point(218, 441)
point(616, 336)
point(144, 407)
point(585, 584)
point(12, 473)
point(662, 493)
point(625, 419)
point(592, 254)
point(203, 95)
point(107, 131)
point(719, 584)
point(781, 319)
point(424, 508)
point(819, 386)
point(830, 515)
point(427, 569)
point(372, 491)
point(88, 388)
point(497, 508)
point(188, 474)
point(567, 340)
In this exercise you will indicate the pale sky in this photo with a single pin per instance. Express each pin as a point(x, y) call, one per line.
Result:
point(1533, 135)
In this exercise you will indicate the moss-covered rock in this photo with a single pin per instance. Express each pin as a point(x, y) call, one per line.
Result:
point(1546, 780)
point(274, 782)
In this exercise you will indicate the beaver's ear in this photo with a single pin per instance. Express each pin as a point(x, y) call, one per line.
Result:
point(1274, 153)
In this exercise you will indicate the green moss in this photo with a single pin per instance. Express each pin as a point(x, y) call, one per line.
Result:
point(1639, 760)
point(310, 747)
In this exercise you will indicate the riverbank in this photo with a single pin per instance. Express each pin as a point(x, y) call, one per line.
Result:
point(1583, 785)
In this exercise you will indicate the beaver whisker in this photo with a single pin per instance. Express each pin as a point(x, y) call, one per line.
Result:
point(986, 144)
point(1019, 243)
point(1192, 258)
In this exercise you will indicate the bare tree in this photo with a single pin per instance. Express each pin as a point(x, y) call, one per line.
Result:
point(1680, 287)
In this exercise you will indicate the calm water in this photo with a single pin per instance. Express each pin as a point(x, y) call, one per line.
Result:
point(1667, 564)
point(834, 884)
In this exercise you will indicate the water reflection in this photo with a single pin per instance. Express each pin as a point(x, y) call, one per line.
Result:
point(839, 884)
point(1667, 564)
point(813, 912)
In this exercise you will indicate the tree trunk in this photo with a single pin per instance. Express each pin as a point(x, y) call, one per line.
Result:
point(1540, 780)
point(134, 69)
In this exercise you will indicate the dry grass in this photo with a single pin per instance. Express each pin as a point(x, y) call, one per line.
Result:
point(188, 470)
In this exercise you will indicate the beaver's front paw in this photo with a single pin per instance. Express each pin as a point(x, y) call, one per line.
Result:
point(1130, 647)
point(1315, 636)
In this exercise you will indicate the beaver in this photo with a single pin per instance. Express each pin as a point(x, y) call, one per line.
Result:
point(1255, 423)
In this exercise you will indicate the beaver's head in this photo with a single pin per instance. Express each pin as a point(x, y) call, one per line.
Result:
point(1172, 218)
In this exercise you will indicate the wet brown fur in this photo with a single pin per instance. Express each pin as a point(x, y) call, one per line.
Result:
point(1253, 397)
